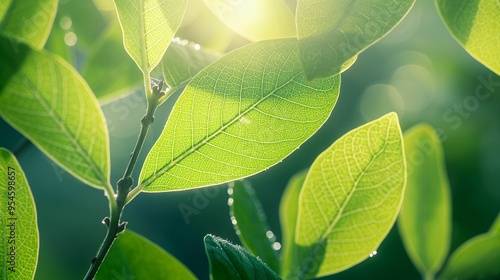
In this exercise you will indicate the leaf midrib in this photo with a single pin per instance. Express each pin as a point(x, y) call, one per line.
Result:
point(205, 140)
point(66, 131)
point(329, 229)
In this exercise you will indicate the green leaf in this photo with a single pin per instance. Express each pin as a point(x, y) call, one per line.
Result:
point(109, 71)
point(495, 228)
point(46, 100)
point(475, 259)
point(228, 261)
point(134, 257)
point(331, 32)
point(255, 20)
point(288, 218)
point(240, 115)
point(350, 199)
point(475, 25)
point(250, 223)
point(426, 231)
point(18, 224)
point(29, 21)
point(183, 60)
point(148, 27)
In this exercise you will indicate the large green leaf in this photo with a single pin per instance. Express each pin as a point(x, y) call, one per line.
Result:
point(18, 225)
point(477, 258)
point(134, 257)
point(240, 115)
point(350, 199)
point(251, 225)
point(331, 32)
point(426, 231)
point(109, 71)
point(45, 99)
point(289, 208)
point(228, 261)
point(475, 25)
point(255, 20)
point(148, 27)
point(29, 21)
point(182, 61)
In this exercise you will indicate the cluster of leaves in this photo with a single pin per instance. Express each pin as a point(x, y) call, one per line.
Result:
point(238, 114)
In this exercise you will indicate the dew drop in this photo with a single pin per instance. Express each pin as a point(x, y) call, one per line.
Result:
point(269, 234)
point(65, 23)
point(197, 47)
point(230, 189)
point(230, 201)
point(233, 221)
point(373, 254)
point(70, 39)
point(276, 246)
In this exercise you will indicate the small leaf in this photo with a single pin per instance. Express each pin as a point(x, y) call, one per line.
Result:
point(475, 25)
point(109, 71)
point(255, 20)
point(251, 224)
point(495, 228)
point(183, 60)
point(426, 231)
point(18, 222)
point(46, 100)
point(134, 257)
point(288, 218)
point(477, 258)
point(350, 199)
point(148, 27)
point(331, 32)
point(240, 115)
point(29, 21)
point(228, 261)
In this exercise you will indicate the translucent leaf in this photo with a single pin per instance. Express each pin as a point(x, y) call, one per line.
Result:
point(240, 115)
point(183, 60)
point(18, 223)
point(29, 21)
point(148, 27)
point(495, 228)
point(476, 26)
point(250, 222)
point(255, 20)
point(46, 100)
point(134, 257)
point(288, 218)
point(350, 199)
point(228, 261)
point(426, 231)
point(331, 32)
point(109, 71)
point(477, 258)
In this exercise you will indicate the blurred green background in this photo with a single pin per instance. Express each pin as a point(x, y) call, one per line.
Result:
point(418, 70)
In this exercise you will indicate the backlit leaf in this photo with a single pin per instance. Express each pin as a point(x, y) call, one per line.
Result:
point(331, 32)
point(148, 27)
point(250, 222)
point(288, 218)
point(29, 21)
point(426, 231)
point(46, 100)
point(18, 222)
point(477, 258)
point(476, 26)
point(228, 261)
point(240, 115)
point(134, 257)
point(257, 19)
point(350, 199)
